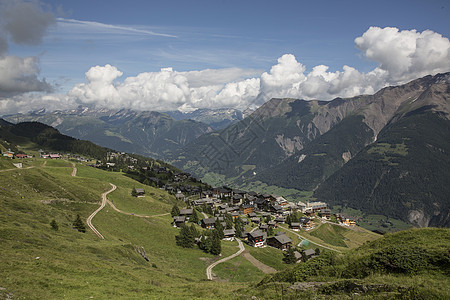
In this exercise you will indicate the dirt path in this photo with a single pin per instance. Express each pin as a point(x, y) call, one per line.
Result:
point(209, 273)
point(132, 214)
point(262, 267)
point(16, 169)
point(89, 219)
point(74, 170)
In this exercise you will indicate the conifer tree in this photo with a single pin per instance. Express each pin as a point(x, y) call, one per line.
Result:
point(78, 224)
point(289, 256)
point(194, 218)
point(216, 246)
point(239, 226)
point(206, 241)
point(185, 239)
point(219, 228)
point(228, 221)
point(134, 192)
point(54, 225)
point(175, 211)
point(270, 231)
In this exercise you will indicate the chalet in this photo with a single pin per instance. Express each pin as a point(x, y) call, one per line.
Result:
point(252, 215)
point(222, 192)
point(281, 201)
point(306, 223)
point(255, 220)
point(309, 212)
point(276, 208)
point(247, 209)
point(309, 253)
point(237, 199)
point(257, 238)
point(207, 194)
point(209, 223)
point(244, 221)
point(21, 156)
point(272, 224)
point(295, 226)
point(252, 194)
point(325, 213)
point(315, 206)
point(229, 234)
point(9, 154)
point(179, 196)
point(239, 192)
point(235, 215)
point(244, 235)
point(202, 201)
point(261, 203)
point(264, 227)
point(280, 220)
point(178, 221)
point(140, 192)
point(188, 212)
point(55, 156)
point(281, 242)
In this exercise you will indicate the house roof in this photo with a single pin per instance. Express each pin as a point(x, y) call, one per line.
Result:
point(140, 191)
point(179, 219)
point(263, 226)
point(186, 211)
point(310, 252)
point(209, 221)
point(229, 232)
point(295, 224)
point(282, 239)
point(256, 233)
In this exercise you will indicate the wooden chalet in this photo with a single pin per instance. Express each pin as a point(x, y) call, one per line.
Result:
point(280, 220)
point(257, 238)
point(188, 212)
point(325, 213)
point(306, 223)
point(255, 220)
point(247, 209)
point(178, 221)
point(140, 192)
point(295, 226)
point(264, 227)
point(229, 234)
point(209, 223)
point(235, 215)
point(281, 242)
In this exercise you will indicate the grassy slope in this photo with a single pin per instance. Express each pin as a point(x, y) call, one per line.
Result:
point(77, 265)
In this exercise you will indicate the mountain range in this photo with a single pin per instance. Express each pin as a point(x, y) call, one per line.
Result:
point(384, 154)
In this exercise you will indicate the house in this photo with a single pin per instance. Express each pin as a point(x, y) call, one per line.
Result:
point(315, 206)
point(55, 156)
point(244, 235)
point(264, 227)
point(252, 215)
point(276, 208)
point(272, 224)
point(306, 223)
point(178, 221)
point(229, 234)
point(255, 220)
point(281, 242)
point(140, 192)
point(257, 238)
point(209, 223)
point(207, 194)
point(244, 221)
point(310, 253)
point(237, 199)
point(187, 212)
point(295, 226)
point(247, 209)
point(280, 220)
point(21, 156)
point(346, 220)
point(9, 154)
point(325, 213)
point(179, 196)
point(235, 215)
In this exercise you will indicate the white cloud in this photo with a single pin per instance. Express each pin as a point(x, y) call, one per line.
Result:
point(401, 56)
point(406, 54)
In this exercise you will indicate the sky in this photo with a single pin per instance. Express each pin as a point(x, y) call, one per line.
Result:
point(185, 55)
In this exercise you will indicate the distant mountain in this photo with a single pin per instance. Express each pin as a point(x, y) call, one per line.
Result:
point(318, 146)
point(216, 118)
point(146, 133)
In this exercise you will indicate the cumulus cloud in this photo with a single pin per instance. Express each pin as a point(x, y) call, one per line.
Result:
point(406, 54)
point(22, 23)
point(401, 56)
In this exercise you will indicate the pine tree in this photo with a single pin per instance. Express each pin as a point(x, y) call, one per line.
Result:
point(78, 224)
point(270, 231)
point(134, 192)
point(288, 220)
point(216, 246)
point(219, 228)
point(289, 256)
point(228, 221)
point(185, 239)
point(175, 211)
point(206, 241)
point(54, 225)
point(194, 218)
point(238, 226)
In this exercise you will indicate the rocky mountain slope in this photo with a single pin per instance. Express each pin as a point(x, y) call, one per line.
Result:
point(216, 118)
point(302, 144)
point(147, 133)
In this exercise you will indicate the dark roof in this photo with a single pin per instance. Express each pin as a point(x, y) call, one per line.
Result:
point(140, 191)
point(282, 239)
point(310, 252)
point(256, 233)
point(325, 211)
point(186, 211)
point(179, 219)
point(251, 215)
point(263, 226)
point(280, 233)
point(304, 220)
point(295, 224)
point(209, 221)
point(251, 193)
point(229, 232)
point(247, 206)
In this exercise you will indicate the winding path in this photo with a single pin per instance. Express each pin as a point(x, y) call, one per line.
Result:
point(211, 266)
point(89, 219)
point(132, 214)
point(74, 170)
point(262, 267)
point(304, 238)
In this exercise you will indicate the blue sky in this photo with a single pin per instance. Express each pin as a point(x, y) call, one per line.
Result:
point(144, 36)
